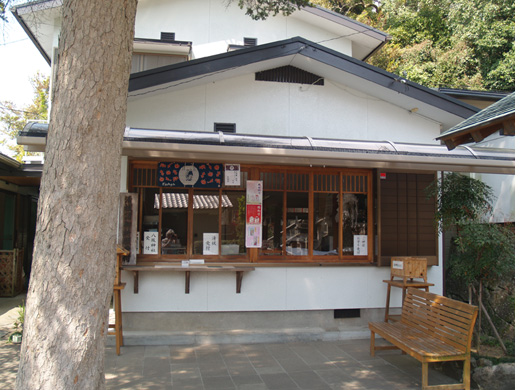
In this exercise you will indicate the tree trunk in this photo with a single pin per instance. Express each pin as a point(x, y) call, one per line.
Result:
point(74, 255)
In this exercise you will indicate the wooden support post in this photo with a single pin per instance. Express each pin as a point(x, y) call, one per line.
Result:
point(136, 282)
point(492, 325)
point(187, 283)
point(240, 275)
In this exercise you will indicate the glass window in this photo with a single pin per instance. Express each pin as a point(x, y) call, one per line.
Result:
point(297, 229)
point(325, 224)
point(206, 221)
point(355, 220)
point(272, 223)
point(174, 221)
point(210, 223)
point(233, 223)
point(149, 220)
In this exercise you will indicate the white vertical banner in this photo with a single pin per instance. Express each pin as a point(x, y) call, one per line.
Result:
point(254, 195)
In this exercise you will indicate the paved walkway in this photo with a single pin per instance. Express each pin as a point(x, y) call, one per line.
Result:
point(315, 365)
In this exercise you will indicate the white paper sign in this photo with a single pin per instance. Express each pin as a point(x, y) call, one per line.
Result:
point(360, 245)
point(232, 174)
point(397, 264)
point(254, 197)
point(254, 192)
point(210, 243)
point(151, 243)
point(197, 261)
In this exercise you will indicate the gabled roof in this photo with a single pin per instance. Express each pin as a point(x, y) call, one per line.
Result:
point(366, 40)
point(498, 116)
point(311, 57)
point(38, 17)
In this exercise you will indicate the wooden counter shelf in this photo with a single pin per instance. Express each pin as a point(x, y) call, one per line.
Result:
point(239, 270)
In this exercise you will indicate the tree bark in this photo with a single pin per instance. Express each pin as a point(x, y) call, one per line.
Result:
point(74, 254)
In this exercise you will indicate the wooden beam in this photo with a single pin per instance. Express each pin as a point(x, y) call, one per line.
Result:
point(477, 135)
point(509, 127)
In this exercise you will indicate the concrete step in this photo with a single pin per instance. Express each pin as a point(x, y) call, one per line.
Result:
point(132, 338)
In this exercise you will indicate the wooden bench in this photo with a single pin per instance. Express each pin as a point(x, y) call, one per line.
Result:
point(433, 328)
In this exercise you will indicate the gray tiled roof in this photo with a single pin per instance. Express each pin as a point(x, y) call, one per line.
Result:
point(501, 109)
point(176, 200)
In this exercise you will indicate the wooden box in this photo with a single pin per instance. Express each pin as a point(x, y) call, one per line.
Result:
point(409, 267)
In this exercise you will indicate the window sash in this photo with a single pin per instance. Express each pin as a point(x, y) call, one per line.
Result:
point(311, 181)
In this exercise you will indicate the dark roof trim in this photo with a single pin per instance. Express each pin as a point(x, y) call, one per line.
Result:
point(35, 129)
point(347, 22)
point(9, 161)
point(291, 47)
point(30, 34)
point(9, 167)
point(474, 95)
point(216, 63)
point(374, 51)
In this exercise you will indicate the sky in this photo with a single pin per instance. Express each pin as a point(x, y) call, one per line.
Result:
point(19, 62)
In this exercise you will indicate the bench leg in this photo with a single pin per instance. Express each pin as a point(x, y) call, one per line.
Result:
point(466, 374)
point(424, 375)
point(387, 307)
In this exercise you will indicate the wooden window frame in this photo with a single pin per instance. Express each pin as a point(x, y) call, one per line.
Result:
point(141, 177)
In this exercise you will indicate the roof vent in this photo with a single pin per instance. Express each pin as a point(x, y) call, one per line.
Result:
point(289, 74)
point(225, 127)
point(250, 42)
point(168, 36)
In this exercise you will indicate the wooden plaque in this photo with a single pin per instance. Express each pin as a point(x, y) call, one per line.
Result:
point(127, 237)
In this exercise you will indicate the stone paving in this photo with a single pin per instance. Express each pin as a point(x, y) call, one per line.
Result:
point(313, 365)
point(316, 365)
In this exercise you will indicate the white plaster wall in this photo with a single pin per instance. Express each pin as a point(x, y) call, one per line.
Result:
point(269, 108)
point(213, 24)
point(266, 289)
point(503, 186)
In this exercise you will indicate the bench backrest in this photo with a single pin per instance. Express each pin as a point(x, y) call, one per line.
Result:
point(447, 319)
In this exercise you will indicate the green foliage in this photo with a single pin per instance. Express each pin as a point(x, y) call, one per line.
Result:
point(3, 6)
point(13, 119)
point(18, 324)
point(501, 77)
point(459, 43)
point(366, 11)
point(483, 252)
point(460, 200)
point(262, 9)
